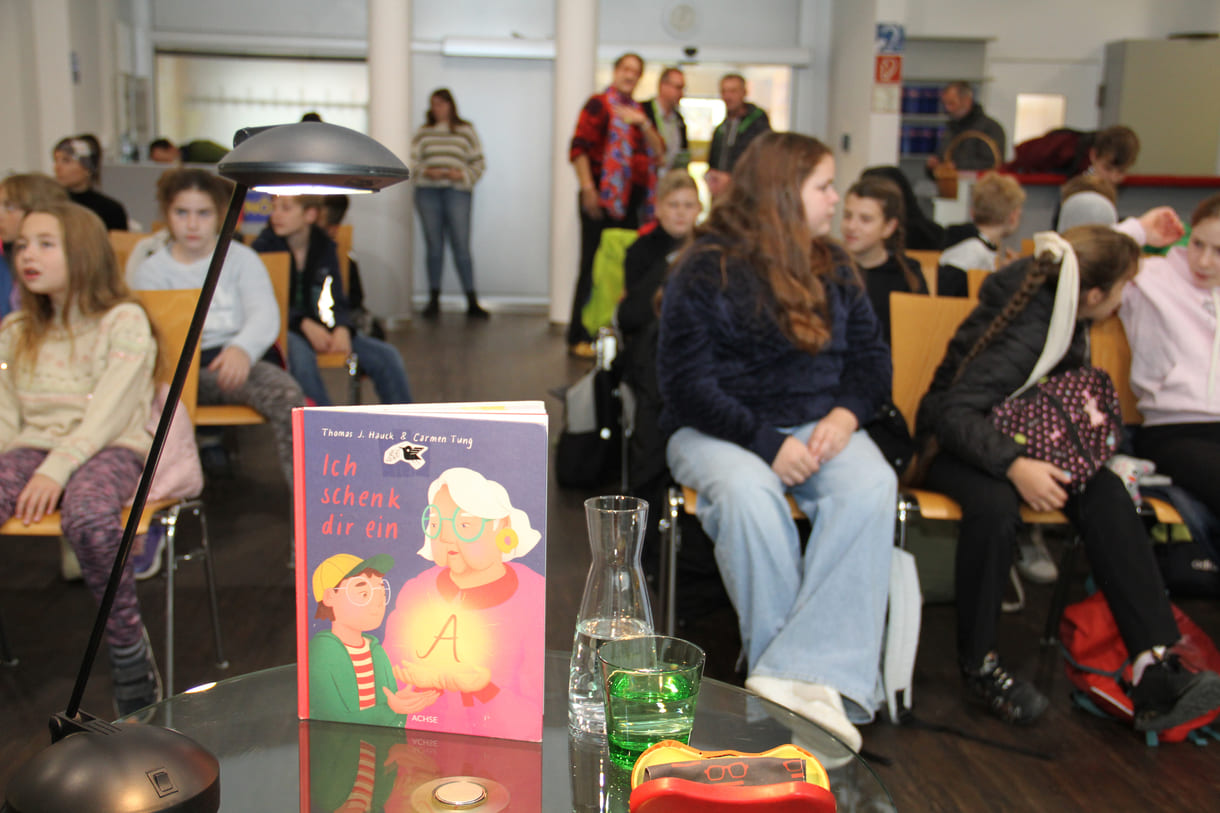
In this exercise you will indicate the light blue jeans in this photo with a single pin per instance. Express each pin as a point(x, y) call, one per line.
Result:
point(445, 213)
point(819, 617)
point(377, 358)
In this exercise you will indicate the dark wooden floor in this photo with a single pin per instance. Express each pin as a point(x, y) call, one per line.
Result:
point(1095, 764)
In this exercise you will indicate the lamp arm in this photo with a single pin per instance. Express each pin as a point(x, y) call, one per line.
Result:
point(154, 453)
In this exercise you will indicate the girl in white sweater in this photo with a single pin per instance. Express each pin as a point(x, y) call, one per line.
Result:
point(76, 382)
point(1169, 312)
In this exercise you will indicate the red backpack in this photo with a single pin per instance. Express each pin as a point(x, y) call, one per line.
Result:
point(1099, 667)
point(1055, 151)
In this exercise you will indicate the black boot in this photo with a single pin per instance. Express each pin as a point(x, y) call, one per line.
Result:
point(433, 310)
point(473, 309)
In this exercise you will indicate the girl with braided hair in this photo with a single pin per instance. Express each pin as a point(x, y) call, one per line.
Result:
point(874, 236)
point(1025, 310)
point(769, 361)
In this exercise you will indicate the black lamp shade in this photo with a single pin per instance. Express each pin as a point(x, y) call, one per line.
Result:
point(312, 154)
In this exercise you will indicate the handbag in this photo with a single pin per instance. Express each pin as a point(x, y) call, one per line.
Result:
point(1071, 419)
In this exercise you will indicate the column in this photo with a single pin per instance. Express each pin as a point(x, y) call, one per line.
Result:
point(575, 53)
point(384, 241)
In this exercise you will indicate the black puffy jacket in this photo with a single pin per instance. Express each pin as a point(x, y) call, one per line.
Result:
point(955, 412)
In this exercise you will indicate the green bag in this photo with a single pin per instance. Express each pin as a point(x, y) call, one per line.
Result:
point(607, 279)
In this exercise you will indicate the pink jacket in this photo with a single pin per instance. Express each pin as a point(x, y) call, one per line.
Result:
point(1175, 346)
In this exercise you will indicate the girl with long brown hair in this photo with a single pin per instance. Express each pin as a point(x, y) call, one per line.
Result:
point(76, 383)
point(1031, 320)
point(769, 361)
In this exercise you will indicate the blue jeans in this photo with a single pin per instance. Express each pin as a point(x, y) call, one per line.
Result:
point(817, 617)
point(379, 360)
point(445, 213)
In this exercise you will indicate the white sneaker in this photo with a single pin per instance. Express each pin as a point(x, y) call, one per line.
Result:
point(818, 703)
point(1033, 559)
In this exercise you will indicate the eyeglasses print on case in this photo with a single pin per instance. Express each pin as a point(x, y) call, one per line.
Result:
point(360, 590)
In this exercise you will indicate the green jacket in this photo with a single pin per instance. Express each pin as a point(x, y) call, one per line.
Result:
point(332, 683)
point(607, 278)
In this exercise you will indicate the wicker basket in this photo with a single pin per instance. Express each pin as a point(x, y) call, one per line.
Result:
point(945, 173)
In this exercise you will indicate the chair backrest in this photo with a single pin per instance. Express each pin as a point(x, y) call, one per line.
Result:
point(343, 244)
point(170, 313)
point(974, 281)
point(1111, 352)
point(1027, 247)
point(123, 242)
point(928, 261)
point(920, 330)
point(279, 269)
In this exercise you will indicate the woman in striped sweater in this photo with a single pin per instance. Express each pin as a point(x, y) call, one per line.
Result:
point(448, 160)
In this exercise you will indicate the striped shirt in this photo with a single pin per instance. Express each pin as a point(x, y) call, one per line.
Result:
point(366, 685)
point(435, 147)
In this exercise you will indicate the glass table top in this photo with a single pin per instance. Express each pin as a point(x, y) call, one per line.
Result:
point(271, 761)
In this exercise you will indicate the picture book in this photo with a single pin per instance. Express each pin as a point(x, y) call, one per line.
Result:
point(420, 566)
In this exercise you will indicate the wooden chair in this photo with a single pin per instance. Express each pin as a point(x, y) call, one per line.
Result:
point(170, 313)
point(349, 362)
point(929, 263)
point(278, 270)
point(1027, 247)
point(974, 281)
point(123, 242)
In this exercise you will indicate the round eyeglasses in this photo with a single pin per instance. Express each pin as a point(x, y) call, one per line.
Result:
point(360, 590)
point(467, 528)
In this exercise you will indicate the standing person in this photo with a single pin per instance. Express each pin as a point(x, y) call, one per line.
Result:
point(318, 316)
point(1170, 314)
point(18, 195)
point(662, 110)
point(78, 169)
point(238, 363)
point(769, 361)
point(873, 235)
point(743, 122)
point(965, 114)
point(76, 384)
point(614, 151)
point(1032, 319)
point(448, 161)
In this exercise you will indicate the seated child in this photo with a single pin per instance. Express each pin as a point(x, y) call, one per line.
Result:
point(238, 364)
point(873, 234)
point(995, 213)
point(1087, 199)
point(18, 195)
point(78, 169)
point(1169, 311)
point(1025, 326)
point(76, 385)
point(319, 320)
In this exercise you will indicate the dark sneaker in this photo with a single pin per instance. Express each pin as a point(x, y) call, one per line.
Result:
point(1168, 694)
point(1008, 697)
point(146, 552)
point(137, 685)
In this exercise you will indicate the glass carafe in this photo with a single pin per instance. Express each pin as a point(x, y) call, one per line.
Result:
point(615, 603)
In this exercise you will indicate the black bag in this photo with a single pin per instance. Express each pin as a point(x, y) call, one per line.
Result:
point(889, 431)
point(590, 446)
point(1188, 569)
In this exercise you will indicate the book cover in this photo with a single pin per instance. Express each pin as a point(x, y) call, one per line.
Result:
point(420, 566)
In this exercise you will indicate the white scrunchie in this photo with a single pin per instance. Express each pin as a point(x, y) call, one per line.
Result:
point(1067, 299)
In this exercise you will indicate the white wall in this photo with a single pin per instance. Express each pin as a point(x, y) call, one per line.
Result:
point(1051, 46)
point(18, 136)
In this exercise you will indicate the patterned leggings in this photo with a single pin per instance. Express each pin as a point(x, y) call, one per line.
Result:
point(91, 517)
point(272, 392)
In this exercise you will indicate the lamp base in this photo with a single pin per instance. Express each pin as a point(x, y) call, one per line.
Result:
point(117, 768)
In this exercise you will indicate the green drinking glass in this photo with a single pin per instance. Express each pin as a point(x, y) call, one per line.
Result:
point(651, 686)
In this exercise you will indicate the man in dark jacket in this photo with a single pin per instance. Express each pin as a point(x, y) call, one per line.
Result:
point(663, 112)
point(743, 122)
point(966, 115)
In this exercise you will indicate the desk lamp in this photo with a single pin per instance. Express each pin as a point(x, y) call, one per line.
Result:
point(91, 764)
